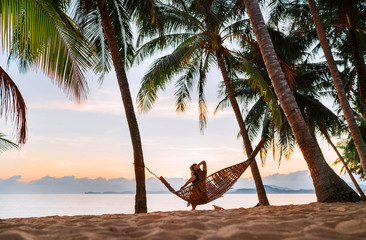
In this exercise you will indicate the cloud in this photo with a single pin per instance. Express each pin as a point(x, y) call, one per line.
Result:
point(295, 180)
point(112, 105)
point(71, 184)
point(67, 184)
point(13, 179)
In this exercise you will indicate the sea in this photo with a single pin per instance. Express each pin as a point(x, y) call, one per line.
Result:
point(41, 205)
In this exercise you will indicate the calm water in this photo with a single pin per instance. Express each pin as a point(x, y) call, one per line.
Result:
point(39, 205)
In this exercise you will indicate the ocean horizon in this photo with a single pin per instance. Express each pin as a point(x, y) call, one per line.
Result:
point(42, 205)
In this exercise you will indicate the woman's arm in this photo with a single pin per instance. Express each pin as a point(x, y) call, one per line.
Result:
point(189, 181)
point(204, 165)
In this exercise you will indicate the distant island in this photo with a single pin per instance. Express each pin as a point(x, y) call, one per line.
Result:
point(272, 189)
point(128, 192)
point(269, 189)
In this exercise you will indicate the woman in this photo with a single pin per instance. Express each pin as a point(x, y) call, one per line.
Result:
point(197, 175)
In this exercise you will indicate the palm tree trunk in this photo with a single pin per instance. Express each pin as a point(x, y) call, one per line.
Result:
point(360, 68)
point(329, 187)
point(261, 192)
point(347, 110)
point(140, 198)
point(325, 134)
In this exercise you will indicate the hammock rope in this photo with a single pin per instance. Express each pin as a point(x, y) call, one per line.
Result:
point(216, 184)
point(151, 172)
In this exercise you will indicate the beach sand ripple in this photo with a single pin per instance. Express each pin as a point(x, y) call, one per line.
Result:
point(311, 221)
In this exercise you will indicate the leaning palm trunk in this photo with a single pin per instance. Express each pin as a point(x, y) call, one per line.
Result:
point(325, 134)
point(329, 187)
point(262, 196)
point(360, 68)
point(140, 199)
point(347, 110)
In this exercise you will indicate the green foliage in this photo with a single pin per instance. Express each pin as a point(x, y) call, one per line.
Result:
point(197, 31)
point(6, 144)
point(12, 105)
point(350, 155)
point(39, 34)
point(309, 82)
point(347, 146)
point(86, 14)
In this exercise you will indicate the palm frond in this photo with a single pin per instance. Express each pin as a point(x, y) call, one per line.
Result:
point(241, 27)
point(202, 107)
point(121, 22)
point(172, 19)
point(6, 144)
point(40, 35)
point(184, 86)
point(258, 83)
point(171, 40)
point(12, 105)
point(254, 118)
point(311, 108)
point(161, 71)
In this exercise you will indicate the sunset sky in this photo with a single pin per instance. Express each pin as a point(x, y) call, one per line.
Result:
point(92, 139)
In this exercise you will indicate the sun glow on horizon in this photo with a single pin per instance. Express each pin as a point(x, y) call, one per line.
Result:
point(92, 140)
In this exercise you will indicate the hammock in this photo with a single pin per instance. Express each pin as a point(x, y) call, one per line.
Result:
point(215, 185)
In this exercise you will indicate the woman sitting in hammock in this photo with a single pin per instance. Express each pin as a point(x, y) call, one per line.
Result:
point(197, 175)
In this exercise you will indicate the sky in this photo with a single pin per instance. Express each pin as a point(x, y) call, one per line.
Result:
point(91, 140)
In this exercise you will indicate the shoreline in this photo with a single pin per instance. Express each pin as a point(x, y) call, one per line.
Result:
point(308, 221)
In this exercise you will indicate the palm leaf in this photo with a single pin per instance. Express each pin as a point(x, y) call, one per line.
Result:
point(258, 83)
point(12, 105)
point(161, 71)
point(151, 47)
point(6, 144)
point(40, 35)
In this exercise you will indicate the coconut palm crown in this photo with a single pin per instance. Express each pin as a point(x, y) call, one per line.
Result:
point(195, 31)
point(199, 32)
point(40, 35)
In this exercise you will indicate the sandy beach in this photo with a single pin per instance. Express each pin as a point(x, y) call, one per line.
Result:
point(310, 221)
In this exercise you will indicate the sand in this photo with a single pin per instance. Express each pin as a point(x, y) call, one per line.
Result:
point(311, 221)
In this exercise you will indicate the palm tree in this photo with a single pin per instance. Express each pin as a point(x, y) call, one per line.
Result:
point(12, 105)
point(328, 186)
point(106, 23)
point(318, 117)
point(38, 34)
point(346, 21)
point(345, 165)
point(197, 30)
point(340, 18)
point(6, 144)
point(347, 110)
point(309, 81)
point(349, 151)
point(349, 154)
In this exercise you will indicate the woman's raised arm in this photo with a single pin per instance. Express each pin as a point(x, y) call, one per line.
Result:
point(204, 166)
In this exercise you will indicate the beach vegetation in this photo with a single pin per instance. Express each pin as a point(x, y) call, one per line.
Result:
point(6, 144)
point(12, 105)
point(107, 25)
point(199, 33)
point(39, 35)
point(310, 84)
point(329, 187)
point(340, 21)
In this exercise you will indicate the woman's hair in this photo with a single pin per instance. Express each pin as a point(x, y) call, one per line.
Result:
point(192, 167)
